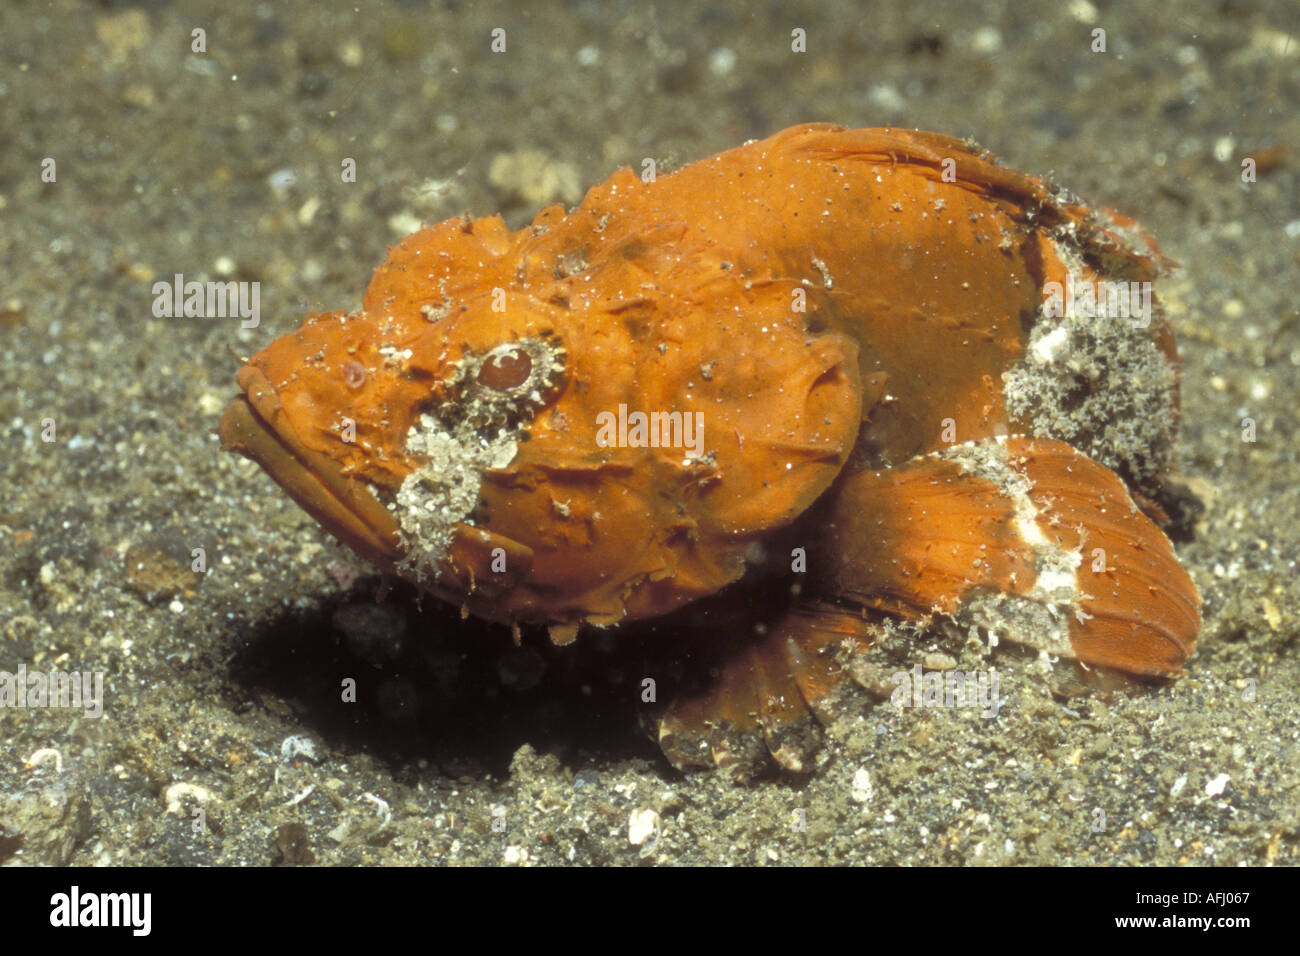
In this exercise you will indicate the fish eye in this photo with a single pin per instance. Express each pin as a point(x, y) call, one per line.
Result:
point(506, 367)
point(506, 384)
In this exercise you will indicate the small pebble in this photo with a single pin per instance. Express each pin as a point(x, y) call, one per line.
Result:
point(862, 788)
point(642, 825)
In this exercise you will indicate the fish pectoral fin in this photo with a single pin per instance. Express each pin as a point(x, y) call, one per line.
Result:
point(1026, 539)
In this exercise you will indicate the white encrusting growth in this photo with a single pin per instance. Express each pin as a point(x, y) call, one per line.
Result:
point(444, 490)
point(475, 431)
point(1048, 348)
point(1055, 596)
point(1093, 374)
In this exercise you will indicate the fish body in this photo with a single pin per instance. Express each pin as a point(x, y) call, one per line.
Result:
point(850, 349)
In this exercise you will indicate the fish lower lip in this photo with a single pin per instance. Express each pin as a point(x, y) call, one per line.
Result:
point(253, 426)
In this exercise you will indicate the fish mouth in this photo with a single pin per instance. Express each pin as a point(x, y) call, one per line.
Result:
point(255, 425)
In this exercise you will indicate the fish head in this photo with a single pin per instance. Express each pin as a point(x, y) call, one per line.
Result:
point(383, 429)
point(539, 441)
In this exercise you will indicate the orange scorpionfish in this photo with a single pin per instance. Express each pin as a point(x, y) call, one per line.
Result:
point(871, 373)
